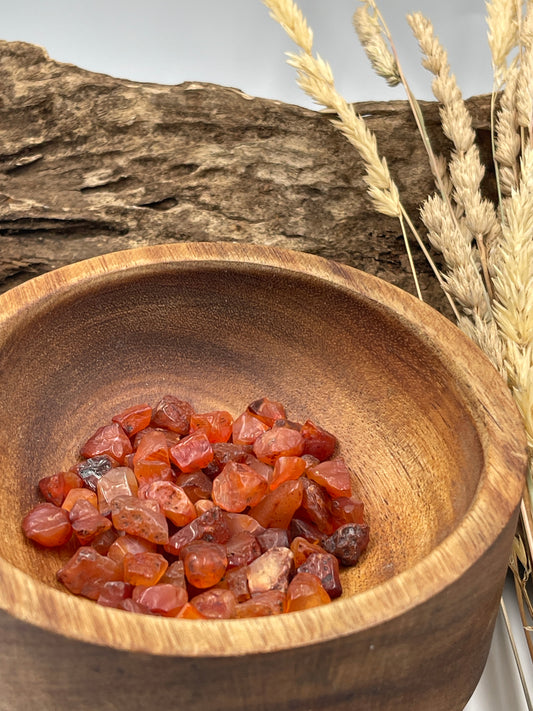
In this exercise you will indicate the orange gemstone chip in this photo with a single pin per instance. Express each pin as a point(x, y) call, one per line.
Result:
point(203, 516)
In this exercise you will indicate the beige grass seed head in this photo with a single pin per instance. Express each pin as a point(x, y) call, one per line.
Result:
point(369, 31)
point(315, 78)
point(502, 34)
point(291, 18)
point(524, 89)
point(507, 140)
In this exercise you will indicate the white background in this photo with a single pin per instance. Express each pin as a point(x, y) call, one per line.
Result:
point(235, 43)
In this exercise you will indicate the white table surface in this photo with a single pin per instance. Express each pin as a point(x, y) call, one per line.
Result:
point(235, 43)
point(499, 688)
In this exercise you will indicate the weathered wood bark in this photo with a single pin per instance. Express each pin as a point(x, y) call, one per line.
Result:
point(91, 164)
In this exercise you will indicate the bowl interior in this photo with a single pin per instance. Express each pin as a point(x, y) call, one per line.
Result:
point(221, 333)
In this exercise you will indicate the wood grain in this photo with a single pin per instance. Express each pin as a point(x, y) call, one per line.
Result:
point(426, 425)
point(90, 164)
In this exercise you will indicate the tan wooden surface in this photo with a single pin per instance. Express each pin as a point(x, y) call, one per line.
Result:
point(425, 424)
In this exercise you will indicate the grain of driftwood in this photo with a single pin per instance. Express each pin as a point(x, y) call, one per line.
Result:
point(91, 164)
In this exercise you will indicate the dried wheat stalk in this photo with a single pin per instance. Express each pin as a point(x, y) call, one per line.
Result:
point(511, 259)
point(462, 240)
point(487, 249)
point(316, 79)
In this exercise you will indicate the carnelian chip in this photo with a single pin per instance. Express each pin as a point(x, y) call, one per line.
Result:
point(315, 502)
point(305, 529)
point(173, 501)
point(326, 567)
point(87, 572)
point(161, 599)
point(318, 442)
point(238, 522)
point(247, 428)
point(278, 507)
point(149, 470)
point(189, 612)
point(195, 484)
point(210, 526)
point(275, 599)
point(72, 480)
point(273, 538)
point(139, 517)
point(173, 414)
point(266, 410)
point(265, 470)
point(236, 580)
point(305, 591)
point(333, 475)
point(87, 522)
point(346, 509)
point(192, 452)
point(241, 549)
point(47, 525)
point(302, 549)
point(52, 488)
point(270, 571)
point(264, 604)
point(119, 481)
point(75, 495)
point(216, 603)
point(144, 568)
point(283, 441)
point(152, 446)
point(309, 460)
point(130, 605)
point(175, 575)
point(203, 505)
point(217, 425)
point(286, 469)
point(224, 452)
point(109, 439)
point(114, 593)
point(134, 419)
point(204, 563)
point(136, 440)
point(103, 541)
point(237, 487)
point(125, 544)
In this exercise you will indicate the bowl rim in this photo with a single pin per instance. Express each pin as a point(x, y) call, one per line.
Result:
point(499, 493)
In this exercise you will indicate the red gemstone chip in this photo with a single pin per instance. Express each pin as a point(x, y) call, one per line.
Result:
point(204, 516)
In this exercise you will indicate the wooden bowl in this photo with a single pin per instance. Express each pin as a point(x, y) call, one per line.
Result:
point(426, 425)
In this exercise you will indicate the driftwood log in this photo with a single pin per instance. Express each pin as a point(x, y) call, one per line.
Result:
point(91, 164)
